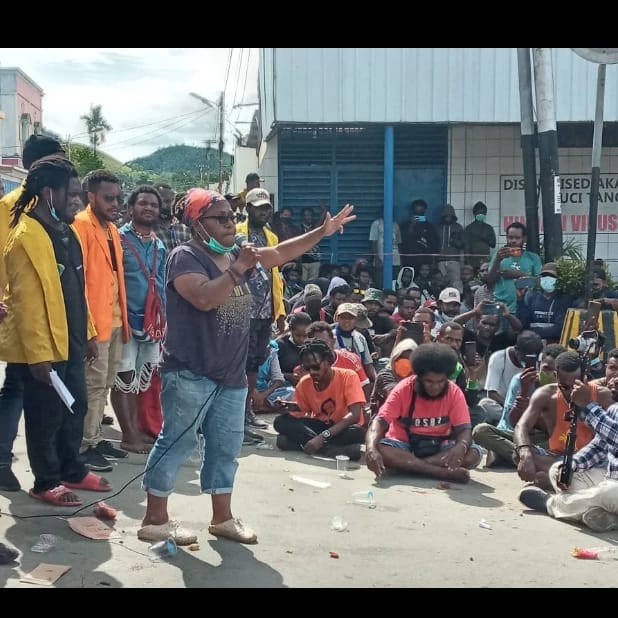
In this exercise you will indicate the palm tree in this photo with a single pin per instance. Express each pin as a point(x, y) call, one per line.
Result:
point(96, 126)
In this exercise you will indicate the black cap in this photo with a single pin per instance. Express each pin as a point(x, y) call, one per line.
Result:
point(251, 177)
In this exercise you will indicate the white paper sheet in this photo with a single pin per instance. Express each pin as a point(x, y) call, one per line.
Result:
point(62, 390)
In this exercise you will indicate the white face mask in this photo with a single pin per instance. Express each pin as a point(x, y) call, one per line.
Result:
point(548, 284)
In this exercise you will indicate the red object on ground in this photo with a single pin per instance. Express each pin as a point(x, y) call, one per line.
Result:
point(333, 554)
point(104, 511)
point(150, 418)
point(585, 554)
point(91, 482)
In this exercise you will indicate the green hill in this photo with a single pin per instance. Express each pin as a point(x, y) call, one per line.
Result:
point(180, 158)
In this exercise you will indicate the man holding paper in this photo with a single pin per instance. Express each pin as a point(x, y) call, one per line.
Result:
point(48, 331)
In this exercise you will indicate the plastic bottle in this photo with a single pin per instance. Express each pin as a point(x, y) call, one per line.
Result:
point(364, 498)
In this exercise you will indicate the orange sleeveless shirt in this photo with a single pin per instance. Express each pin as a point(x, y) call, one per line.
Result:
point(557, 440)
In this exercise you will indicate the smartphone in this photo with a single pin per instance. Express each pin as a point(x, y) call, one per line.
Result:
point(525, 282)
point(594, 309)
point(490, 308)
point(415, 331)
point(530, 361)
point(470, 352)
point(290, 406)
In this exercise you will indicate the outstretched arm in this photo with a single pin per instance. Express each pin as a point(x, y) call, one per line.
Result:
point(290, 249)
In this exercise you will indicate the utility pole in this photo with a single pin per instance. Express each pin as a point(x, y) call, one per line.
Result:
point(602, 57)
point(69, 146)
point(528, 150)
point(548, 153)
point(221, 141)
point(208, 143)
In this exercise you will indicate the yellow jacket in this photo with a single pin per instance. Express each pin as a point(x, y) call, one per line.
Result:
point(6, 205)
point(277, 291)
point(35, 328)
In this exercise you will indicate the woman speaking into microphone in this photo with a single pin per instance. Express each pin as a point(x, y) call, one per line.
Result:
point(204, 355)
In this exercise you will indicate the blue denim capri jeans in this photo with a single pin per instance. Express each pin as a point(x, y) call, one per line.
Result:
point(221, 416)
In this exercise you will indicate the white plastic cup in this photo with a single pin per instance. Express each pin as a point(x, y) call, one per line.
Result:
point(165, 549)
point(342, 466)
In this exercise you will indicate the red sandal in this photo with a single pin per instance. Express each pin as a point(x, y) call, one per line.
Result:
point(54, 496)
point(91, 482)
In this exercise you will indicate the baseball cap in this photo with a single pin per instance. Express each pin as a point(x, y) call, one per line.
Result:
point(550, 269)
point(450, 295)
point(373, 294)
point(258, 197)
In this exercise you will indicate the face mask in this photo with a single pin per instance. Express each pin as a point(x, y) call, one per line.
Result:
point(50, 205)
point(546, 377)
point(421, 218)
point(548, 284)
point(402, 367)
point(480, 218)
point(215, 245)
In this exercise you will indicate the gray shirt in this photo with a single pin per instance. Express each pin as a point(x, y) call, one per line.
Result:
point(211, 343)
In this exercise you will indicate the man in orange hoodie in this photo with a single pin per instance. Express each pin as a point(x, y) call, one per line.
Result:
point(107, 300)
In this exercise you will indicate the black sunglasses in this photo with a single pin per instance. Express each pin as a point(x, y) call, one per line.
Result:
point(223, 219)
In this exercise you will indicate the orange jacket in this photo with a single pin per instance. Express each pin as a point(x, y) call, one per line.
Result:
point(99, 273)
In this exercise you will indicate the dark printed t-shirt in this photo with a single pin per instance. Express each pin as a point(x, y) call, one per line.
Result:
point(208, 343)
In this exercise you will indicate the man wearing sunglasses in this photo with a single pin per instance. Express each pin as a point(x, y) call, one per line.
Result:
point(267, 289)
point(326, 419)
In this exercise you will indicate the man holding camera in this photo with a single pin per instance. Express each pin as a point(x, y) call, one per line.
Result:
point(592, 497)
point(546, 410)
point(511, 263)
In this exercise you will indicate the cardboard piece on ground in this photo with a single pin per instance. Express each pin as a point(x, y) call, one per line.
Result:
point(92, 528)
point(46, 574)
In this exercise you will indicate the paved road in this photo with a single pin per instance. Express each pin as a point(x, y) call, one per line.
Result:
point(418, 535)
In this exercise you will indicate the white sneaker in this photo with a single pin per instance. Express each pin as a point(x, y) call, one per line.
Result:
point(162, 532)
point(235, 530)
point(600, 520)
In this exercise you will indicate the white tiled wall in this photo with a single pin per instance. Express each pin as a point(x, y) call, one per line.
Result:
point(268, 167)
point(479, 154)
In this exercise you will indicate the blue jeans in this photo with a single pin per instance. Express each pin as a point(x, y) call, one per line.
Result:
point(11, 404)
point(220, 412)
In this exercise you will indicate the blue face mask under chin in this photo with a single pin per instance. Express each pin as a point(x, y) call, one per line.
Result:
point(50, 205)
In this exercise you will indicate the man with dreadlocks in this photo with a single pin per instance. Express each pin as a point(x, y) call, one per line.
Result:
point(329, 405)
point(12, 392)
point(48, 328)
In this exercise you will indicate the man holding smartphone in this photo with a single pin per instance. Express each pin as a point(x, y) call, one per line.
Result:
point(511, 263)
point(543, 312)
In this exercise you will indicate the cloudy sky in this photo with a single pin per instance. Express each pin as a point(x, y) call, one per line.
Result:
point(144, 93)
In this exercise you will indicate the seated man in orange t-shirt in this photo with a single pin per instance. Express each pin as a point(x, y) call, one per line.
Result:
point(424, 425)
point(326, 413)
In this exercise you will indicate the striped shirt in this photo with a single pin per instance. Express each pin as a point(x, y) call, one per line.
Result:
point(603, 448)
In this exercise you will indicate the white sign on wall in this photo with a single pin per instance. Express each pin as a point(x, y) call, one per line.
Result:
point(574, 198)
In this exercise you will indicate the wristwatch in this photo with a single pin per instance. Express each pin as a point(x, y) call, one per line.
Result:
point(325, 434)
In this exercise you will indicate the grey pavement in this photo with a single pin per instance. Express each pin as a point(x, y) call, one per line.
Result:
point(418, 534)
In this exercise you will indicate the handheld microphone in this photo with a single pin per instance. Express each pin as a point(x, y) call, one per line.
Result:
point(240, 240)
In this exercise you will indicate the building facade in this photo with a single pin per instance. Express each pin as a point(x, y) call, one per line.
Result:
point(21, 103)
point(362, 125)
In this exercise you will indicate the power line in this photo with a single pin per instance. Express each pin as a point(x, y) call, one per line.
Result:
point(227, 68)
point(242, 54)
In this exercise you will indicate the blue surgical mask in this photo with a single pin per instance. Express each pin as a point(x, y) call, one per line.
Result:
point(548, 284)
point(214, 245)
point(50, 205)
point(480, 218)
point(421, 218)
